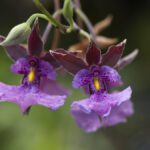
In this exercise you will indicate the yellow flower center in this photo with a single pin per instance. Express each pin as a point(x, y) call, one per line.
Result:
point(31, 75)
point(97, 84)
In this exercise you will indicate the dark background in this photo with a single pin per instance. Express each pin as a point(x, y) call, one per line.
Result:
point(45, 130)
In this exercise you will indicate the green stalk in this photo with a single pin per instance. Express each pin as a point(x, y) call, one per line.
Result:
point(52, 20)
point(36, 15)
point(85, 34)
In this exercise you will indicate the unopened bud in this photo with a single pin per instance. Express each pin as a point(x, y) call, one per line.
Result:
point(17, 34)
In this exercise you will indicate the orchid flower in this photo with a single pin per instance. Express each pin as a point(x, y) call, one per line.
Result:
point(97, 74)
point(37, 68)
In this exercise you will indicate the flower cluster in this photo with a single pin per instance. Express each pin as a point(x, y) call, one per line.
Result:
point(92, 71)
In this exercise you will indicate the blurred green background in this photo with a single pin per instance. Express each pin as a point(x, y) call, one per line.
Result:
point(46, 130)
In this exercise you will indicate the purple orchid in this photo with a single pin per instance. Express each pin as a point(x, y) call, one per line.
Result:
point(35, 65)
point(97, 74)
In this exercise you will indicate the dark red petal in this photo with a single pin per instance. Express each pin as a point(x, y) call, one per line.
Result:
point(70, 62)
point(113, 54)
point(48, 57)
point(93, 54)
point(35, 44)
point(127, 59)
point(15, 51)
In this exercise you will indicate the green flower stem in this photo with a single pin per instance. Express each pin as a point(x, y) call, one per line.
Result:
point(85, 34)
point(82, 32)
point(50, 17)
point(53, 21)
point(34, 16)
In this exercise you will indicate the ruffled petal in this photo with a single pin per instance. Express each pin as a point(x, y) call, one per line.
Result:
point(110, 76)
point(29, 99)
point(51, 101)
point(21, 66)
point(82, 78)
point(7, 92)
point(119, 97)
point(102, 103)
point(26, 97)
point(85, 118)
point(46, 70)
point(118, 114)
point(87, 112)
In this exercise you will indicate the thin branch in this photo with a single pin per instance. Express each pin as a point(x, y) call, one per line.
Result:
point(86, 21)
point(49, 26)
point(77, 28)
point(79, 20)
point(57, 32)
point(51, 18)
point(83, 32)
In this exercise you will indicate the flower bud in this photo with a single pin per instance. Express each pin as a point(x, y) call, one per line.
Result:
point(17, 34)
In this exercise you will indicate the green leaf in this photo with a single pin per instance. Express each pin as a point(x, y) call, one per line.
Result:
point(17, 34)
point(68, 13)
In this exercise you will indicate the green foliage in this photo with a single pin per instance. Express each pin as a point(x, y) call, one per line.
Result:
point(68, 13)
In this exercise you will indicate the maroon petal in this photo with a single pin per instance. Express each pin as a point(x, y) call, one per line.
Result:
point(127, 59)
point(70, 62)
point(35, 44)
point(15, 51)
point(48, 57)
point(93, 55)
point(113, 54)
